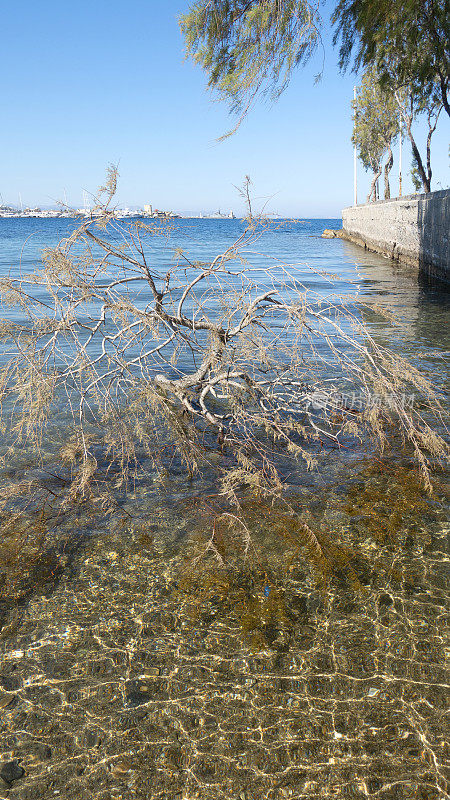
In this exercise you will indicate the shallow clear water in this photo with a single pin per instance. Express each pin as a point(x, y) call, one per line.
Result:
point(127, 673)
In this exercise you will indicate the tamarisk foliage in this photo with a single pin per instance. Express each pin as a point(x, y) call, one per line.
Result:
point(250, 48)
point(217, 363)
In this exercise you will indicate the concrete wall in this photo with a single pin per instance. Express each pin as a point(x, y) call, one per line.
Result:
point(414, 230)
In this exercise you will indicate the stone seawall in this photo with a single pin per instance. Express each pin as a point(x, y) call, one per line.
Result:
point(414, 230)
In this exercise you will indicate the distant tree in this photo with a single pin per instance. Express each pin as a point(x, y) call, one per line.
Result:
point(375, 126)
point(415, 31)
point(250, 47)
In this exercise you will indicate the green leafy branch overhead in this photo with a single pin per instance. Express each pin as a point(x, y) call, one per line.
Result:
point(252, 47)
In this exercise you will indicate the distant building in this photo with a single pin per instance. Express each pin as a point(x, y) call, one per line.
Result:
point(148, 209)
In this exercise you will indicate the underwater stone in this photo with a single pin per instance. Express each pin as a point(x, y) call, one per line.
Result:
point(11, 771)
point(6, 699)
point(10, 682)
point(385, 600)
point(137, 693)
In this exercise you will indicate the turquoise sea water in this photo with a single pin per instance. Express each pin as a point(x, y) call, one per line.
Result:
point(126, 674)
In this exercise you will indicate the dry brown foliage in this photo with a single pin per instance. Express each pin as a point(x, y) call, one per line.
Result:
point(219, 364)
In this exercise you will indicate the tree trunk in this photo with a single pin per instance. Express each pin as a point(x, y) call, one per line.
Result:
point(408, 118)
point(431, 130)
point(373, 187)
point(417, 157)
point(444, 90)
point(387, 169)
point(429, 172)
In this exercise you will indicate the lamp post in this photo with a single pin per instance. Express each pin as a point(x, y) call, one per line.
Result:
point(400, 159)
point(355, 188)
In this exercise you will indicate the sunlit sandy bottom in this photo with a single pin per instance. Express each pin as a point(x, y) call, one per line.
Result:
point(129, 681)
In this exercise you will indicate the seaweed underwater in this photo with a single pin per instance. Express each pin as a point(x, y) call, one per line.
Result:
point(379, 516)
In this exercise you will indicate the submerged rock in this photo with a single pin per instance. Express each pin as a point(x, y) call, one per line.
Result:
point(11, 771)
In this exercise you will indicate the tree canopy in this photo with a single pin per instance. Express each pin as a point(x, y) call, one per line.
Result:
point(415, 101)
point(251, 46)
point(248, 47)
point(407, 40)
point(375, 125)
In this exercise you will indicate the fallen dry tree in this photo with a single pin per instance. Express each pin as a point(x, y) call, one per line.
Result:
point(222, 364)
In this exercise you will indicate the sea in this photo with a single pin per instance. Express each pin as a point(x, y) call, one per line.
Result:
point(135, 665)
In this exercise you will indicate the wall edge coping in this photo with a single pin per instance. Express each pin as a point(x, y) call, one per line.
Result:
point(416, 197)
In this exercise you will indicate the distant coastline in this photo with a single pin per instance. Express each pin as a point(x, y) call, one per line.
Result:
point(9, 212)
point(79, 213)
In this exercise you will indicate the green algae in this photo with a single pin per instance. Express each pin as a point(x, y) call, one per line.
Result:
point(27, 561)
point(245, 568)
point(391, 503)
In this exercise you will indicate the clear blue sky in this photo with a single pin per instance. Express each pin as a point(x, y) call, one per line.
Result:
point(87, 83)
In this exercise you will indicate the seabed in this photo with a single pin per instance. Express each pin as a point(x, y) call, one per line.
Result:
point(131, 671)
